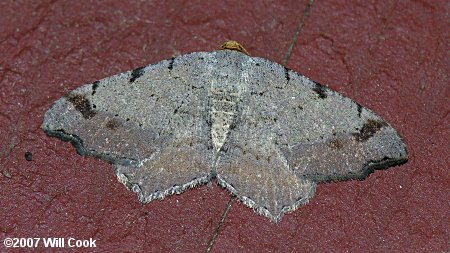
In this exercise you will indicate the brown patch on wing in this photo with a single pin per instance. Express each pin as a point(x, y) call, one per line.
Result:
point(82, 105)
point(113, 124)
point(335, 144)
point(369, 129)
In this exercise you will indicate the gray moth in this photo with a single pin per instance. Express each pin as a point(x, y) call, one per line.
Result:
point(264, 132)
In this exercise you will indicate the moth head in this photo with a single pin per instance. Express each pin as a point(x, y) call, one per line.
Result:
point(233, 45)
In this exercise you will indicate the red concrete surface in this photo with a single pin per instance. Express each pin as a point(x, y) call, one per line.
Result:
point(390, 56)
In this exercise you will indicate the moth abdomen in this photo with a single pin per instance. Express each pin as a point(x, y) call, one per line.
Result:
point(223, 112)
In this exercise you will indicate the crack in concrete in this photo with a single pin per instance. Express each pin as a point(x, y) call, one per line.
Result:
point(222, 219)
point(297, 32)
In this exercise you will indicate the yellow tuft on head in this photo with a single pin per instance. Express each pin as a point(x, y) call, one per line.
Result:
point(233, 45)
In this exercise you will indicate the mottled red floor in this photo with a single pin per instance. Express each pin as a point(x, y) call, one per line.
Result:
point(390, 56)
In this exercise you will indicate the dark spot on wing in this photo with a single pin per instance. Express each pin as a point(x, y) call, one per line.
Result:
point(232, 125)
point(209, 121)
point(178, 108)
point(286, 74)
point(335, 144)
point(320, 90)
point(369, 129)
point(136, 73)
point(171, 63)
point(28, 156)
point(113, 124)
point(359, 109)
point(94, 87)
point(82, 104)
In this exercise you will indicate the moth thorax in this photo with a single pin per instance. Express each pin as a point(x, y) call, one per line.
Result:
point(223, 111)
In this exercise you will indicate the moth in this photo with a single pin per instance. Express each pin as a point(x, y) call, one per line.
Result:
point(265, 133)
